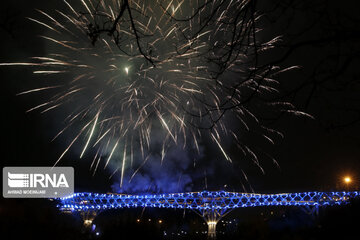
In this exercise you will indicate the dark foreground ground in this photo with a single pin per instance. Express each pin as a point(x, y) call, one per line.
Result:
point(39, 219)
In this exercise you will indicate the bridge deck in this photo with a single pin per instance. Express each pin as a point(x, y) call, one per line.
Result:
point(202, 200)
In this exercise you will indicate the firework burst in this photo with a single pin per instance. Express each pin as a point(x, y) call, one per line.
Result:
point(137, 70)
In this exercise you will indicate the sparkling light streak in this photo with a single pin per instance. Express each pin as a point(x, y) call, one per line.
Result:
point(174, 70)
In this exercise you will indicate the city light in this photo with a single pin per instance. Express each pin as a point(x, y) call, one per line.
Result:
point(347, 180)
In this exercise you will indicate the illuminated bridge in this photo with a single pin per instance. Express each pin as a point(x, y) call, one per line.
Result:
point(211, 205)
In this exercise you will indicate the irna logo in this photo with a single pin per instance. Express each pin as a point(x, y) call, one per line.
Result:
point(23, 180)
point(38, 182)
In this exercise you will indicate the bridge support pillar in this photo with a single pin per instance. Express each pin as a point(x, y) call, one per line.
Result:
point(212, 216)
point(211, 229)
point(88, 218)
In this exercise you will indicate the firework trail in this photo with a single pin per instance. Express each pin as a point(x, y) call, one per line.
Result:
point(137, 70)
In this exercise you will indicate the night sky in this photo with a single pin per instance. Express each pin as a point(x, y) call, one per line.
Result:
point(321, 38)
point(315, 154)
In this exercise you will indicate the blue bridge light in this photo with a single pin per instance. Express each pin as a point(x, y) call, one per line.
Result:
point(205, 200)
